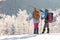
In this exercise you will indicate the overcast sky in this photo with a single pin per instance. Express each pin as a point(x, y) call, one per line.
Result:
point(11, 6)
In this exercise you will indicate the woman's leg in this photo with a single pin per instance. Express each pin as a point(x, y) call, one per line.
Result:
point(47, 27)
point(34, 31)
point(44, 27)
point(36, 28)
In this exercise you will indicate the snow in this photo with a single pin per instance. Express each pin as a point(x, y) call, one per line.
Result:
point(53, 36)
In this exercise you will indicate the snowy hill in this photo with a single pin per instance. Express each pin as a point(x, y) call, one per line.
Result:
point(52, 36)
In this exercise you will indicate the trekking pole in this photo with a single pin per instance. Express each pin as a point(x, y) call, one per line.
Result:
point(40, 21)
point(40, 24)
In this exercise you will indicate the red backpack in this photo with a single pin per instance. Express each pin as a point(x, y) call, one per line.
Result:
point(50, 17)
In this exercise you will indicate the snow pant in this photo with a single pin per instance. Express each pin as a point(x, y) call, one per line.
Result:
point(36, 28)
point(46, 25)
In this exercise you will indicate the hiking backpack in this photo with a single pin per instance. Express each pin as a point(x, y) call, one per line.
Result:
point(36, 14)
point(50, 17)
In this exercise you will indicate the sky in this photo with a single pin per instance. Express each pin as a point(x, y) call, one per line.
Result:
point(11, 7)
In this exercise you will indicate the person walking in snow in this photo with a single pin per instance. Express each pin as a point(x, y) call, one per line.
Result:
point(36, 16)
point(46, 21)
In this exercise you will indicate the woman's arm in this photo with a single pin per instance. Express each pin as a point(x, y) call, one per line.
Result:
point(41, 10)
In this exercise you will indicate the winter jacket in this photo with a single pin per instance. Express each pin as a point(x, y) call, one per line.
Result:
point(34, 19)
point(45, 14)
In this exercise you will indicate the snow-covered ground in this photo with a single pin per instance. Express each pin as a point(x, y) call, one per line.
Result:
point(53, 36)
point(12, 25)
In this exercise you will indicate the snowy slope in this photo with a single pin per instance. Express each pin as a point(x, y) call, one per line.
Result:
point(52, 36)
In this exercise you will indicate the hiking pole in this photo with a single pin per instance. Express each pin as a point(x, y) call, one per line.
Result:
point(40, 19)
point(40, 22)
